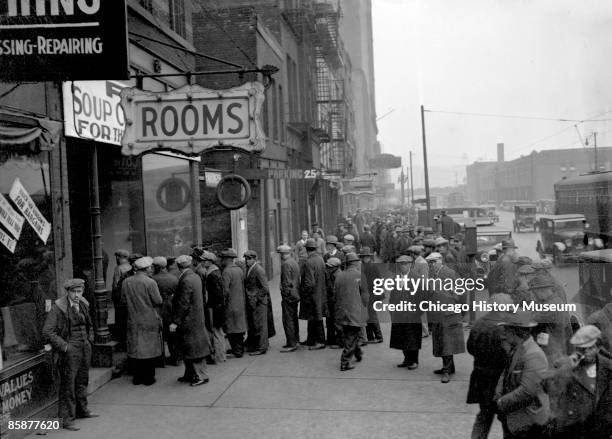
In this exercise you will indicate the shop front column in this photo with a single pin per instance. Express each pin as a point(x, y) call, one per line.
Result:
point(103, 346)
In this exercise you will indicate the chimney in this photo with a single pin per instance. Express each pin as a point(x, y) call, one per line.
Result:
point(500, 152)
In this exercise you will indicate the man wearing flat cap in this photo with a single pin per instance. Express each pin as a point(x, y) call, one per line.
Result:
point(503, 276)
point(313, 296)
point(554, 329)
point(235, 304)
point(581, 390)
point(332, 251)
point(520, 399)
point(188, 323)
point(122, 270)
point(167, 284)
point(334, 330)
point(144, 325)
point(257, 294)
point(68, 329)
point(370, 271)
point(215, 303)
point(290, 297)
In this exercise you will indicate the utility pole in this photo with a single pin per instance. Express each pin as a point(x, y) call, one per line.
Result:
point(402, 180)
point(595, 150)
point(425, 167)
point(411, 182)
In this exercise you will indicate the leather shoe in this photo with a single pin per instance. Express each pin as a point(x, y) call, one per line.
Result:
point(289, 349)
point(260, 352)
point(334, 346)
point(346, 367)
point(404, 364)
point(316, 347)
point(183, 379)
point(412, 366)
point(441, 371)
point(445, 378)
point(358, 358)
point(70, 427)
point(199, 382)
point(88, 415)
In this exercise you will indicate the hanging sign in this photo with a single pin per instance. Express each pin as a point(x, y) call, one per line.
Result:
point(92, 110)
point(28, 208)
point(63, 40)
point(9, 218)
point(192, 119)
point(7, 241)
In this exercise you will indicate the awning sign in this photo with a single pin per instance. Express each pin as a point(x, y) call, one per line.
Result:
point(192, 119)
point(92, 110)
point(9, 218)
point(26, 205)
point(7, 241)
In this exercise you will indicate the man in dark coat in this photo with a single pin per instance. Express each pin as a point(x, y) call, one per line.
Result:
point(188, 322)
point(581, 390)
point(370, 271)
point(68, 330)
point(447, 326)
point(122, 270)
point(351, 301)
point(486, 345)
point(403, 243)
point(290, 297)
point(332, 251)
point(235, 303)
point(313, 296)
point(503, 276)
point(447, 225)
point(216, 305)
point(334, 330)
point(406, 327)
point(257, 294)
point(367, 238)
point(167, 284)
point(144, 325)
point(519, 396)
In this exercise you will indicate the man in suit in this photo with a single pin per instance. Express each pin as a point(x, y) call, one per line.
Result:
point(68, 329)
point(188, 323)
point(520, 399)
point(234, 299)
point(257, 293)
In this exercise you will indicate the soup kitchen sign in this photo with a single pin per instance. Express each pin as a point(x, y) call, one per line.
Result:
point(192, 119)
point(63, 40)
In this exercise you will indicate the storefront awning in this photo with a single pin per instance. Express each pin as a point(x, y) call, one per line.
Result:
point(28, 132)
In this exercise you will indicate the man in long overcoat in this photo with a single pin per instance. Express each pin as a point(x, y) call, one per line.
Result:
point(406, 328)
point(334, 330)
point(371, 271)
point(68, 329)
point(290, 297)
point(167, 284)
point(351, 301)
point(313, 303)
point(257, 294)
point(188, 322)
point(447, 326)
point(486, 345)
point(144, 325)
point(216, 304)
point(235, 304)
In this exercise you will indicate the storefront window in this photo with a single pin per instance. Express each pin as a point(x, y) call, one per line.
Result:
point(168, 205)
point(27, 277)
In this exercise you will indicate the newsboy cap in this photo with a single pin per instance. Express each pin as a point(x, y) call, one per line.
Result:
point(184, 260)
point(435, 256)
point(310, 243)
point(349, 237)
point(586, 336)
point(333, 262)
point(521, 318)
point(229, 253)
point(441, 241)
point(404, 259)
point(143, 263)
point(73, 283)
point(331, 239)
point(539, 282)
point(160, 261)
point(121, 253)
point(352, 257)
point(284, 248)
point(250, 254)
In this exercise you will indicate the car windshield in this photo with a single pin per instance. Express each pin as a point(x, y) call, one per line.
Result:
point(489, 240)
point(527, 210)
point(569, 225)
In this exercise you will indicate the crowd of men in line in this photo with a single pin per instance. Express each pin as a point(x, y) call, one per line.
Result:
point(554, 385)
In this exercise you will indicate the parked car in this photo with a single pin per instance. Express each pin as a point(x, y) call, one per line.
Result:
point(491, 212)
point(595, 273)
point(563, 237)
point(487, 238)
point(524, 217)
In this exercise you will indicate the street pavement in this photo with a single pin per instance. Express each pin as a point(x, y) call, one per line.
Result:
point(301, 394)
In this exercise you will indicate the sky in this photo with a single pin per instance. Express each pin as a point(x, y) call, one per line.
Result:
point(542, 59)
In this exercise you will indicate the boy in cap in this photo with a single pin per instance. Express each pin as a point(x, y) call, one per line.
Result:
point(68, 329)
point(290, 297)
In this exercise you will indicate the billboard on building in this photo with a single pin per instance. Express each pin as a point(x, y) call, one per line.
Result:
point(192, 119)
point(63, 40)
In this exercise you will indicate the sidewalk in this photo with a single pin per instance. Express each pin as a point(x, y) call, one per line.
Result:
point(301, 395)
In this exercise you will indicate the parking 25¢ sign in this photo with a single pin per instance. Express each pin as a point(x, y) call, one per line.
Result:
point(63, 40)
point(192, 119)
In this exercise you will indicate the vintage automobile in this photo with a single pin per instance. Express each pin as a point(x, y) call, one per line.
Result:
point(595, 286)
point(524, 217)
point(563, 237)
point(487, 238)
point(490, 210)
